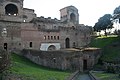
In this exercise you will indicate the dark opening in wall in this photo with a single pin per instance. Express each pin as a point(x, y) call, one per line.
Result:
point(11, 9)
point(5, 46)
point(67, 42)
point(51, 48)
point(72, 17)
point(48, 37)
point(30, 44)
point(55, 37)
point(58, 37)
point(51, 37)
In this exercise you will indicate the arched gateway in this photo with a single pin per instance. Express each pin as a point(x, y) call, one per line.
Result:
point(67, 43)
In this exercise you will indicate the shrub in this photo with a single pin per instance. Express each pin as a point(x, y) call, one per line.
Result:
point(110, 69)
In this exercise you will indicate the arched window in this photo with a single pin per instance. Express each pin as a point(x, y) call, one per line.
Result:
point(11, 9)
point(72, 17)
point(51, 48)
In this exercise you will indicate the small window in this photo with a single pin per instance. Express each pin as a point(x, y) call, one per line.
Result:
point(44, 37)
point(51, 37)
point(58, 37)
point(48, 37)
point(54, 60)
point(19, 44)
point(5, 46)
point(55, 37)
point(30, 44)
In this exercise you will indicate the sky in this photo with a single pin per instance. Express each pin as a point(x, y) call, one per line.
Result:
point(89, 10)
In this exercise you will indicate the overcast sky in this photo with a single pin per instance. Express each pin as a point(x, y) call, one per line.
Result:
point(89, 10)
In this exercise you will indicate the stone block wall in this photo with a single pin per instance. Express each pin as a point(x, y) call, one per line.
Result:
point(63, 59)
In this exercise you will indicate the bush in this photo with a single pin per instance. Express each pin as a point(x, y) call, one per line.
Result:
point(110, 69)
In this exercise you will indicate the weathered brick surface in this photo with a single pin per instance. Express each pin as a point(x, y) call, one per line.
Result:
point(64, 59)
point(22, 27)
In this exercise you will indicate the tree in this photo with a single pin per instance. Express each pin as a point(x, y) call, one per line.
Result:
point(116, 13)
point(117, 10)
point(103, 23)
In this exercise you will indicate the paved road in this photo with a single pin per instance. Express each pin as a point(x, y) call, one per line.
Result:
point(83, 77)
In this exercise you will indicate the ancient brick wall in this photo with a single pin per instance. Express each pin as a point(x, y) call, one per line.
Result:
point(63, 59)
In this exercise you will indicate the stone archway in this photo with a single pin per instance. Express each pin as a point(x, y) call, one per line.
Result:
point(67, 43)
point(51, 48)
point(11, 9)
point(72, 17)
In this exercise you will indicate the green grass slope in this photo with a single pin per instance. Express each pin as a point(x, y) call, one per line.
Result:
point(103, 41)
point(110, 46)
point(25, 68)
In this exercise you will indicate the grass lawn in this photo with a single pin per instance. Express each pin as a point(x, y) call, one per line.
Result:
point(103, 41)
point(106, 76)
point(26, 68)
point(110, 52)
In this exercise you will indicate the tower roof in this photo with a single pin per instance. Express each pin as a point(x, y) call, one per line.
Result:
point(71, 6)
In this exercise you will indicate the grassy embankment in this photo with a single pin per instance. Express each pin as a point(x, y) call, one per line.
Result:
point(110, 46)
point(106, 76)
point(25, 68)
point(111, 52)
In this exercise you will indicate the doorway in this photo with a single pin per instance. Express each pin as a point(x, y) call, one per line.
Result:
point(67, 42)
point(84, 64)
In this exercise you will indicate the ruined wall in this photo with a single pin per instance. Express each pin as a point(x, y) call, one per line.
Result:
point(91, 55)
point(56, 59)
point(26, 31)
point(64, 59)
point(13, 35)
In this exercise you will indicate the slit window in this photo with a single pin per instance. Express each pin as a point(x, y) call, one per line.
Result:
point(48, 37)
point(44, 37)
point(31, 44)
point(58, 37)
point(51, 37)
point(55, 37)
